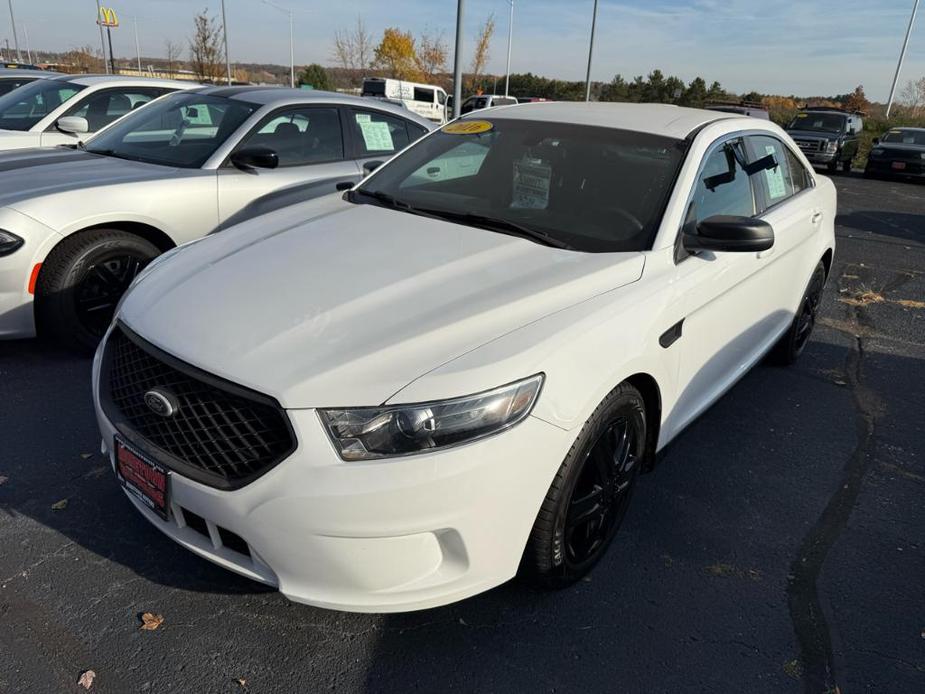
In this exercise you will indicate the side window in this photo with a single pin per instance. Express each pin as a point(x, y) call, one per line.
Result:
point(723, 187)
point(782, 181)
point(103, 107)
point(415, 132)
point(441, 98)
point(377, 133)
point(425, 95)
point(300, 136)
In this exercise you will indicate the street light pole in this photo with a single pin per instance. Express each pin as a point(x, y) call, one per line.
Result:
point(591, 54)
point(99, 23)
point(15, 37)
point(225, 35)
point(25, 33)
point(291, 41)
point(510, 38)
point(457, 60)
point(137, 45)
point(902, 57)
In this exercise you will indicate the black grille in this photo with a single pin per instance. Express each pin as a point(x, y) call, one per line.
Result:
point(221, 434)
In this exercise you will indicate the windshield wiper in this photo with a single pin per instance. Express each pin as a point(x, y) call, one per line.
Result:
point(504, 226)
point(381, 196)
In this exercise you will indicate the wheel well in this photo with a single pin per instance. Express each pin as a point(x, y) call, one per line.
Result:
point(651, 395)
point(827, 261)
point(145, 231)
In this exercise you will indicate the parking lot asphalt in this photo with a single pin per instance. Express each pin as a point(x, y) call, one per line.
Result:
point(780, 546)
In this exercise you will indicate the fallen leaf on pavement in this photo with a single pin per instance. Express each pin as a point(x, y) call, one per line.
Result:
point(84, 456)
point(59, 505)
point(151, 621)
point(86, 679)
point(241, 681)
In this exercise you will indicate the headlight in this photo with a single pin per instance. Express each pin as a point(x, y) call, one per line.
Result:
point(876, 152)
point(831, 146)
point(9, 242)
point(370, 433)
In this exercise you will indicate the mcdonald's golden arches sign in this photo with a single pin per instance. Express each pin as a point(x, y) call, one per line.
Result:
point(108, 18)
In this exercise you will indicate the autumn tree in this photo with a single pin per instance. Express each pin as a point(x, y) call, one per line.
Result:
point(482, 50)
point(353, 48)
point(84, 59)
point(316, 76)
point(431, 56)
point(856, 100)
point(397, 54)
point(206, 48)
point(913, 96)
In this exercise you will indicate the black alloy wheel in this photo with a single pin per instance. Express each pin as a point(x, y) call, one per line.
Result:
point(794, 341)
point(591, 492)
point(102, 286)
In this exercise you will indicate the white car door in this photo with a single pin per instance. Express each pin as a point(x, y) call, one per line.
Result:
point(724, 302)
point(100, 108)
point(309, 141)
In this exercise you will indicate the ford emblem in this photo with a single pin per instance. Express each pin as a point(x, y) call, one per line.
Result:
point(161, 402)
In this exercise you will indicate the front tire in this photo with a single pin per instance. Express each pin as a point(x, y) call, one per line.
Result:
point(794, 341)
point(590, 494)
point(82, 281)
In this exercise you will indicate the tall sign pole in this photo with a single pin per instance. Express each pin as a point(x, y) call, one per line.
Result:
point(902, 57)
point(457, 60)
point(591, 54)
point(99, 23)
point(15, 37)
point(137, 44)
point(510, 38)
point(225, 34)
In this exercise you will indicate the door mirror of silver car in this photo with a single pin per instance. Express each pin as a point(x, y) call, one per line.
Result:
point(371, 166)
point(730, 234)
point(75, 125)
point(255, 158)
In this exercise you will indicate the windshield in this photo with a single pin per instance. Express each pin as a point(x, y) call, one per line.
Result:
point(22, 108)
point(824, 122)
point(181, 130)
point(905, 137)
point(8, 85)
point(587, 188)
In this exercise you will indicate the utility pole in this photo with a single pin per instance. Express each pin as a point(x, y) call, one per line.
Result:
point(291, 41)
point(15, 37)
point(510, 38)
point(902, 57)
point(137, 45)
point(99, 23)
point(457, 60)
point(591, 54)
point(225, 34)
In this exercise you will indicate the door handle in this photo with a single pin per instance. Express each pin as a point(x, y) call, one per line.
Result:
point(817, 217)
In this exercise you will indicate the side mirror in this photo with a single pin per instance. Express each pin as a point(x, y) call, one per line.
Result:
point(371, 166)
point(730, 234)
point(74, 125)
point(255, 158)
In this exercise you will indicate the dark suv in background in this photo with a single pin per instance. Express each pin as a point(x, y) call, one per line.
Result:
point(899, 152)
point(827, 136)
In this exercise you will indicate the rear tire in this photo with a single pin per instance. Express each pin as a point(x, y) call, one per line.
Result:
point(794, 341)
point(81, 283)
point(590, 494)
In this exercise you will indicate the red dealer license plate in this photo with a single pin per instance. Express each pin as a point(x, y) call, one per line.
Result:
point(899, 165)
point(142, 477)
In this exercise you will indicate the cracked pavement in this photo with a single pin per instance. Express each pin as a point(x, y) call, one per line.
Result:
point(778, 548)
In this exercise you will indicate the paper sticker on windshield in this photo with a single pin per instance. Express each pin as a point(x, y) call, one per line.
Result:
point(775, 176)
point(531, 185)
point(802, 115)
point(468, 127)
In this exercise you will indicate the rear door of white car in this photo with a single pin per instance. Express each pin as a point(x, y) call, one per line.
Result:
point(792, 205)
point(309, 141)
point(726, 301)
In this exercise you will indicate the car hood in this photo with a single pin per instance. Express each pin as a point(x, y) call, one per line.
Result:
point(352, 306)
point(899, 147)
point(32, 173)
point(818, 134)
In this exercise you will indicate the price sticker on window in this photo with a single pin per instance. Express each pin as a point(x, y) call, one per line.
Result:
point(468, 127)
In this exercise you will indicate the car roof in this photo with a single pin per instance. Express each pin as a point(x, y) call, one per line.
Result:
point(15, 73)
point(906, 127)
point(115, 80)
point(282, 96)
point(656, 119)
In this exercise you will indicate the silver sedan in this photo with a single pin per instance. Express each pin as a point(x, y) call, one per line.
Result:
point(77, 224)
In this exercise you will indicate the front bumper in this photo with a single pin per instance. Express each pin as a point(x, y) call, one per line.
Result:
point(821, 157)
point(386, 536)
point(17, 317)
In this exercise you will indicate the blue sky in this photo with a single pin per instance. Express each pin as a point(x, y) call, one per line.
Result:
point(788, 46)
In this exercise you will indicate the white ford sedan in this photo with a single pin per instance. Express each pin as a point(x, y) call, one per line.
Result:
point(395, 400)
